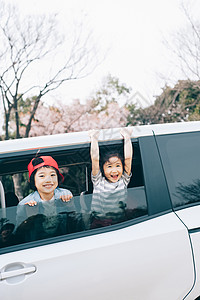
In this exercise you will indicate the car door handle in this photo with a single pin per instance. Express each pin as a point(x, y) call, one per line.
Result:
point(25, 270)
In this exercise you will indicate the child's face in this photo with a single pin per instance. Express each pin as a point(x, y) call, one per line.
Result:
point(113, 169)
point(46, 180)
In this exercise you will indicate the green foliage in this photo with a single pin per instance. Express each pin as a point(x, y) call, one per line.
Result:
point(177, 104)
point(24, 106)
point(110, 91)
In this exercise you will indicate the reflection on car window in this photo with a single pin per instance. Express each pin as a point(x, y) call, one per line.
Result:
point(47, 220)
point(180, 155)
point(20, 224)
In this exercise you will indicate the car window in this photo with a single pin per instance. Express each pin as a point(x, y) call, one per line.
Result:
point(181, 163)
point(21, 224)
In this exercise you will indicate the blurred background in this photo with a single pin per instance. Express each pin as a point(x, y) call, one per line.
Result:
point(76, 65)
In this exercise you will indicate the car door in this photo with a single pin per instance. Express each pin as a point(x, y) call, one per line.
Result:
point(135, 262)
point(180, 158)
point(148, 256)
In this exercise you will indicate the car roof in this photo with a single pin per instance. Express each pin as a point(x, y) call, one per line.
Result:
point(111, 134)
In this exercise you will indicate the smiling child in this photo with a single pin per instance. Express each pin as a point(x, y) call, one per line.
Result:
point(110, 179)
point(44, 177)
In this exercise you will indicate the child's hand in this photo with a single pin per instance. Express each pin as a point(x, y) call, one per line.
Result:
point(94, 134)
point(31, 203)
point(126, 132)
point(66, 198)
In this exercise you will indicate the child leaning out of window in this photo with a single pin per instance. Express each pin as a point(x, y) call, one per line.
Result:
point(44, 177)
point(110, 176)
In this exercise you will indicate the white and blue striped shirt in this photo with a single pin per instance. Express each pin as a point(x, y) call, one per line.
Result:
point(109, 198)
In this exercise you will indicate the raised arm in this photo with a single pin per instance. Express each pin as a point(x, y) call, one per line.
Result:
point(94, 150)
point(128, 149)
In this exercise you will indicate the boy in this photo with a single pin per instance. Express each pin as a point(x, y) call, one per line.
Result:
point(44, 176)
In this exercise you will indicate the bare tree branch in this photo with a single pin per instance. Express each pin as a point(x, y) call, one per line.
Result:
point(30, 42)
point(185, 45)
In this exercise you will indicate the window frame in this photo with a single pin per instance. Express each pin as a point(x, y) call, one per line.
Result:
point(150, 158)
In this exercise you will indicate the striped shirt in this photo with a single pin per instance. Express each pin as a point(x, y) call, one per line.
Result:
point(109, 198)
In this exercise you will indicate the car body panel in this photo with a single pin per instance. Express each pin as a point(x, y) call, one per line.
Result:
point(190, 217)
point(74, 138)
point(137, 262)
point(195, 241)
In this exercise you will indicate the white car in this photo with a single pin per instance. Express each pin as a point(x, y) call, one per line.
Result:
point(153, 253)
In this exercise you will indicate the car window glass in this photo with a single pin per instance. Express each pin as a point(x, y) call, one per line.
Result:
point(181, 163)
point(20, 224)
point(27, 224)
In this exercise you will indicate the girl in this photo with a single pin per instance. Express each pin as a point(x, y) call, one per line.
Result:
point(110, 180)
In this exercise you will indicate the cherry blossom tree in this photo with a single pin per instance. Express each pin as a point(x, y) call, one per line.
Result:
point(75, 117)
point(101, 110)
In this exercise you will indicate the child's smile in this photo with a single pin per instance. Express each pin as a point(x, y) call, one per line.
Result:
point(46, 180)
point(113, 169)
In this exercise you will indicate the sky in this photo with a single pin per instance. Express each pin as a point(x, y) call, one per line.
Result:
point(130, 32)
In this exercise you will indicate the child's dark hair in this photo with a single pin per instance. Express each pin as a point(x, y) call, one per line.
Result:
point(105, 157)
point(36, 161)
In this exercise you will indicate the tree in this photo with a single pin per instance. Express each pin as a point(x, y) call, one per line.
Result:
point(61, 118)
point(101, 112)
point(109, 101)
point(111, 90)
point(180, 102)
point(177, 104)
point(68, 118)
point(28, 44)
point(184, 44)
point(73, 118)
